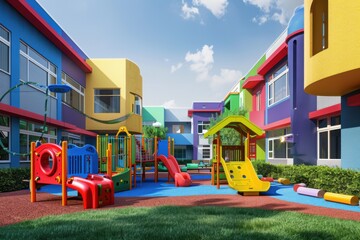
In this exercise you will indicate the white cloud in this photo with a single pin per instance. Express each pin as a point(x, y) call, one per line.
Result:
point(264, 5)
point(226, 77)
point(169, 104)
point(276, 10)
point(201, 61)
point(216, 7)
point(189, 12)
point(261, 20)
point(176, 67)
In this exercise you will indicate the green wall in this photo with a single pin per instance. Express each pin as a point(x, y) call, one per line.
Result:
point(153, 114)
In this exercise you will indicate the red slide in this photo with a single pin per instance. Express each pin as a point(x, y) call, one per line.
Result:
point(95, 190)
point(182, 179)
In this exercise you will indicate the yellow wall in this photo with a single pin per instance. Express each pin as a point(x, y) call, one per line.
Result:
point(334, 71)
point(113, 73)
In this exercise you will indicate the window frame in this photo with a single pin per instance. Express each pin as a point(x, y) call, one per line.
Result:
point(272, 79)
point(79, 90)
point(319, 24)
point(278, 137)
point(6, 128)
point(97, 95)
point(203, 125)
point(327, 129)
point(6, 42)
point(48, 69)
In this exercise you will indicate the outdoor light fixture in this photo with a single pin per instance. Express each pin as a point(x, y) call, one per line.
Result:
point(287, 138)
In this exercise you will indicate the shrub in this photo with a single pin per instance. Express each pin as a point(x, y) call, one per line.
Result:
point(330, 179)
point(12, 179)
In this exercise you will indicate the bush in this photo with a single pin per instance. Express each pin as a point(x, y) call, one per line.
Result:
point(12, 179)
point(329, 179)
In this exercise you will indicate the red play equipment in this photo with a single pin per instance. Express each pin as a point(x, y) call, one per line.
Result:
point(182, 179)
point(48, 166)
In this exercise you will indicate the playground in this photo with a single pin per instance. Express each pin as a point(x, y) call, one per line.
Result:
point(231, 183)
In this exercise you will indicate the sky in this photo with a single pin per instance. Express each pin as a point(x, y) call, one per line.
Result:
point(187, 50)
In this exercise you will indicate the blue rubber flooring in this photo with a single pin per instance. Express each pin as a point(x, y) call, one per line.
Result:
point(163, 189)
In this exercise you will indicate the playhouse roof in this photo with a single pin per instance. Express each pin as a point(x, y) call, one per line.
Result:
point(239, 123)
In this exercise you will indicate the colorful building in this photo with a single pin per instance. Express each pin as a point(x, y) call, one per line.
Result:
point(114, 89)
point(300, 128)
point(201, 113)
point(36, 53)
point(179, 128)
point(332, 68)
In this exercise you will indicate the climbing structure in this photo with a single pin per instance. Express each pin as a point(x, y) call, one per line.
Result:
point(235, 162)
point(49, 167)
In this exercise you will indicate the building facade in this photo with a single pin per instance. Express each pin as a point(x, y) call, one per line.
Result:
point(35, 54)
point(332, 68)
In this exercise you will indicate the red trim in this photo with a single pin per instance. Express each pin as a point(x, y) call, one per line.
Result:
point(353, 101)
point(332, 110)
point(192, 111)
point(275, 58)
point(294, 34)
point(278, 124)
point(35, 19)
point(253, 81)
point(24, 114)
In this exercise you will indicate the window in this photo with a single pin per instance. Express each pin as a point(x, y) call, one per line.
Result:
point(329, 138)
point(277, 148)
point(204, 152)
point(258, 101)
point(319, 25)
point(203, 126)
point(278, 87)
point(4, 50)
point(4, 137)
point(178, 129)
point(180, 152)
point(76, 97)
point(36, 68)
point(107, 101)
point(137, 106)
point(31, 132)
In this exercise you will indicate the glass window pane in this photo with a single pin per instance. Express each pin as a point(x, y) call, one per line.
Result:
point(4, 137)
point(335, 144)
point(279, 149)
point(280, 88)
point(323, 145)
point(36, 74)
point(23, 68)
point(335, 120)
point(4, 57)
point(4, 34)
point(322, 123)
point(107, 104)
point(38, 58)
point(23, 47)
point(4, 121)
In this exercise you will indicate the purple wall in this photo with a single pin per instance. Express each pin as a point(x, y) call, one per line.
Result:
point(278, 112)
point(70, 115)
point(303, 129)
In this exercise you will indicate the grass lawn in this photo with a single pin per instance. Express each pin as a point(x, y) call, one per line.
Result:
point(170, 222)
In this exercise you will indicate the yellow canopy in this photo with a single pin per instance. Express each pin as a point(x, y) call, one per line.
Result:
point(239, 123)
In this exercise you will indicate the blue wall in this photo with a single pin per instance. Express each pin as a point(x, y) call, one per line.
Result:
point(350, 134)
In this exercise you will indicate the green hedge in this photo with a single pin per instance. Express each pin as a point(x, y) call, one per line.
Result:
point(329, 179)
point(12, 179)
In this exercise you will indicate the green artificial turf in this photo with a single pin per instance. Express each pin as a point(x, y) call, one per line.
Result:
point(170, 222)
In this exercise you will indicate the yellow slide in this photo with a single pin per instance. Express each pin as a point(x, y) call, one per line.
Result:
point(242, 177)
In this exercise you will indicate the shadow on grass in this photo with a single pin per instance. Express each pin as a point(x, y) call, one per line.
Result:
point(174, 222)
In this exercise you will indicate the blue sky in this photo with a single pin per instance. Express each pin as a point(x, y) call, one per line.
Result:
point(187, 50)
